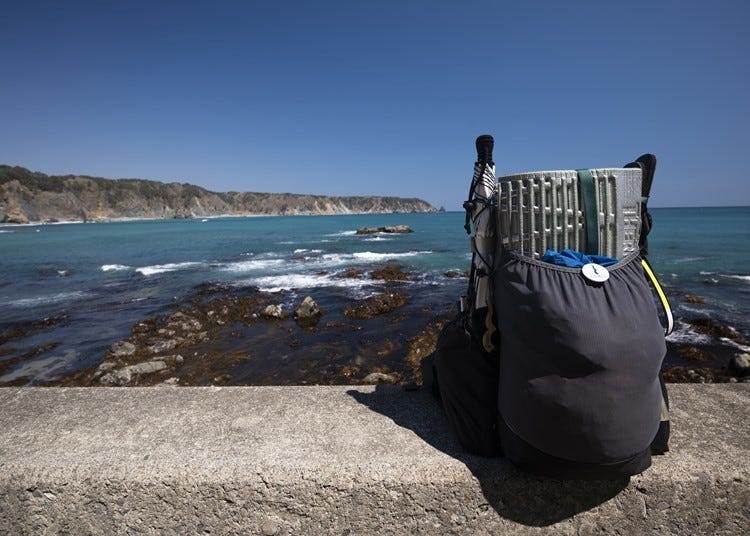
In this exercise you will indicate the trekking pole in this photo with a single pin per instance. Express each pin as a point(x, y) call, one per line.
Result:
point(478, 208)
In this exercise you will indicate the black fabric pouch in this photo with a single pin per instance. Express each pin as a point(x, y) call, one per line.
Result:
point(579, 372)
point(464, 380)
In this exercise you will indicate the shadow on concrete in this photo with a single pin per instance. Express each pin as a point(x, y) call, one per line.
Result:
point(515, 495)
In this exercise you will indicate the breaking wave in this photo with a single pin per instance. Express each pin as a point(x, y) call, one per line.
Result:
point(684, 334)
point(251, 266)
point(277, 283)
point(114, 267)
point(47, 298)
point(162, 268)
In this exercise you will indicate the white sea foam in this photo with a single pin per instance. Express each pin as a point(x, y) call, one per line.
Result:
point(684, 334)
point(48, 298)
point(162, 268)
point(281, 282)
point(740, 277)
point(114, 267)
point(304, 250)
point(735, 344)
point(369, 256)
point(707, 273)
point(250, 266)
point(378, 238)
point(343, 233)
point(695, 310)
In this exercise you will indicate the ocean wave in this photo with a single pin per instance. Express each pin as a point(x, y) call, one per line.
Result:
point(277, 283)
point(684, 334)
point(694, 310)
point(47, 298)
point(162, 268)
point(689, 259)
point(735, 344)
point(734, 276)
point(305, 250)
point(343, 233)
point(251, 266)
point(378, 238)
point(369, 256)
point(113, 267)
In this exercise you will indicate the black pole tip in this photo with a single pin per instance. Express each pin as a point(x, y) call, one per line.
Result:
point(485, 145)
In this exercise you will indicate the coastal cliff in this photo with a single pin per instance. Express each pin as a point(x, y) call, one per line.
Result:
point(27, 197)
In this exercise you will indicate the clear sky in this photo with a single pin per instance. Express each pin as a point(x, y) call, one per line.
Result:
point(380, 97)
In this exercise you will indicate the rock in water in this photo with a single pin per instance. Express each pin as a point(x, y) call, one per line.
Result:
point(399, 229)
point(378, 377)
point(273, 311)
point(307, 310)
point(122, 349)
point(125, 375)
point(740, 364)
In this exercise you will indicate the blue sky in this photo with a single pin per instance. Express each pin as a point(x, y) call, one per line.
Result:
point(382, 98)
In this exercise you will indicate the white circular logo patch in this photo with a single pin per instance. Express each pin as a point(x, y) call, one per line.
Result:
point(594, 272)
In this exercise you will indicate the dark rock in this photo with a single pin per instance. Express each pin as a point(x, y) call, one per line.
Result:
point(694, 375)
point(693, 299)
point(350, 273)
point(378, 377)
point(456, 273)
point(696, 354)
point(378, 304)
point(307, 310)
point(397, 229)
point(391, 272)
point(711, 327)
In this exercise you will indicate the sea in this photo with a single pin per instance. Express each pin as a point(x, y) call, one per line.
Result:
point(76, 288)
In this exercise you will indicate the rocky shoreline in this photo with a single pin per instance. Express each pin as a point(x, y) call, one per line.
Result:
point(224, 335)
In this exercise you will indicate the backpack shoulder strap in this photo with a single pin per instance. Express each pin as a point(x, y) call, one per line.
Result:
point(647, 164)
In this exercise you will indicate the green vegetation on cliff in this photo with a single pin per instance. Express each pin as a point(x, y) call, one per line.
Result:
point(27, 196)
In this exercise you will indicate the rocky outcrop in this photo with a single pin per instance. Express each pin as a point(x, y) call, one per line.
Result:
point(388, 229)
point(27, 197)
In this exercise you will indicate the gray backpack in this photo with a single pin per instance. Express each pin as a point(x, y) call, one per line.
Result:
point(568, 385)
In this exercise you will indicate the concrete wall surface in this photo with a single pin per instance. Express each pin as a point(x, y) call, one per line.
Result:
point(337, 460)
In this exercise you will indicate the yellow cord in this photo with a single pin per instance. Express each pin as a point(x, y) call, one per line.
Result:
point(660, 293)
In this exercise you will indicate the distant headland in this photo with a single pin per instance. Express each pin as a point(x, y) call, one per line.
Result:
point(30, 197)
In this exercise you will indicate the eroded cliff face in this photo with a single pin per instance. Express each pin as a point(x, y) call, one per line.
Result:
point(27, 197)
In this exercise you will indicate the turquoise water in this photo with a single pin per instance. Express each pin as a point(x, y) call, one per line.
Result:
point(96, 280)
point(704, 252)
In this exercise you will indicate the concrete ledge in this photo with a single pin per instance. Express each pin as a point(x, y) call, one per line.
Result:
point(360, 460)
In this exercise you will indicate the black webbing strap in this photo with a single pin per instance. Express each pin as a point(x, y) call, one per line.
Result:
point(647, 165)
point(590, 211)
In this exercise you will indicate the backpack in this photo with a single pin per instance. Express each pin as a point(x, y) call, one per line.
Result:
point(557, 369)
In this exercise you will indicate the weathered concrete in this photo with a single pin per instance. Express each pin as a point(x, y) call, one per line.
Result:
point(340, 460)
